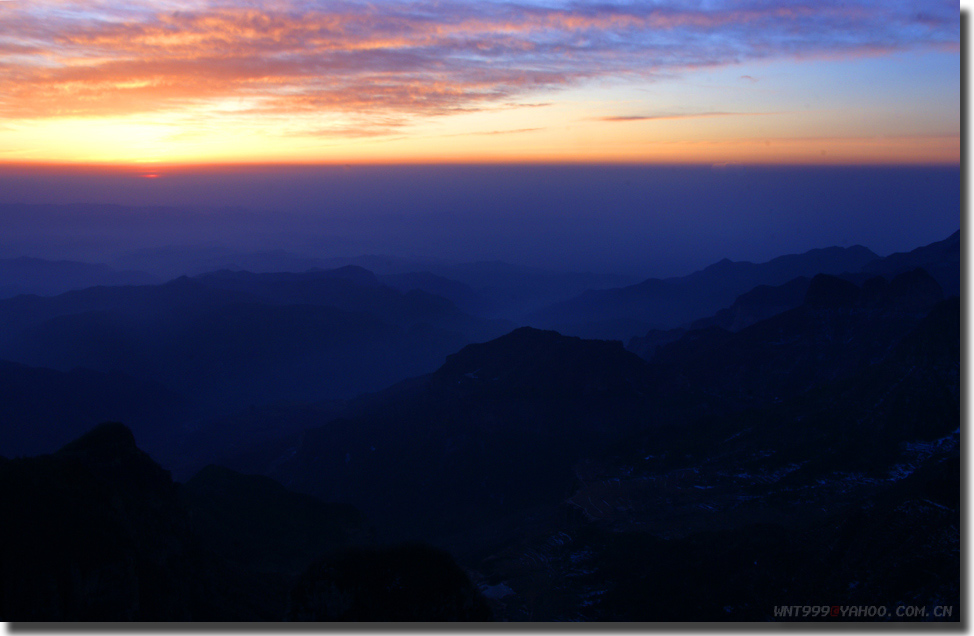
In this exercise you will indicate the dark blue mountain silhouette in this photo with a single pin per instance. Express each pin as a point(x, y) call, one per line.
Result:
point(99, 532)
point(673, 302)
point(26, 275)
point(43, 409)
point(941, 260)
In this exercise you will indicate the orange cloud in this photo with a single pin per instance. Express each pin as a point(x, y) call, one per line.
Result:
point(398, 59)
point(623, 118)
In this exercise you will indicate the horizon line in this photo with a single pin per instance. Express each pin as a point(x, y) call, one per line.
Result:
point(146, 167)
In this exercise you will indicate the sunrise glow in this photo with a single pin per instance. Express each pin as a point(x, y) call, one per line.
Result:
point(228, 81)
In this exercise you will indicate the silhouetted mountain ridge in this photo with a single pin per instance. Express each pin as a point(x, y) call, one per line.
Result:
point(230, 340)
point(839, 329)
point(43, 409)
point(536, 399)
point(940, 259)
point(538, 363)
point(667, 303)
point(801, 442)
point(99, 532)
point(354, 289)
point(25, 275)
point(96, 532)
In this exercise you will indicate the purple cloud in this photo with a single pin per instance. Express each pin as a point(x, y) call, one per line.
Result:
point(386, 63)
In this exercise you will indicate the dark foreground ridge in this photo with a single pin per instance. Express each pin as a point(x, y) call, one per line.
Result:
point(99, 532)
point(403, 583)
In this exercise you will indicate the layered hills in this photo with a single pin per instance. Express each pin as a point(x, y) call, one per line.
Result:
point(665, 303)
point(764, 289)
point(222, 342)
point(798, 445)
point(26, 275)
point(544, 460)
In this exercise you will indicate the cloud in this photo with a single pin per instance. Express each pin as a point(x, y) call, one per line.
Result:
point(677, 116)
point(491, 133)
point(385, 64)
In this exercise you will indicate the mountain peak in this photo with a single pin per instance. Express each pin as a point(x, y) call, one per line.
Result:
point(110, 450)
point(940, 259)
point(722, 264)
point(105, 439)
point(535, 361)
point(353, 271)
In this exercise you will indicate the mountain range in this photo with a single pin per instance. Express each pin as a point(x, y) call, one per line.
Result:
point(798, 445)
point(226, 341)
point(663, 304)
point(26, 275)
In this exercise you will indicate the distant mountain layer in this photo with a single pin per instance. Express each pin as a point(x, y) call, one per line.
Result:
point(351, 289)
point(666, 303)
point(48, 278)
point(462, 295)
point(762, 302)
point(43, 409)
point(296, 336)
point(492, 289)
point(219, 343)
point(941, 260)
point(191, 260)
point(657, 305)
point(758, 304)
point(840, 329)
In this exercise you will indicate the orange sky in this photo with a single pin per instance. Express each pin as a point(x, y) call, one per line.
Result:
point(92, 81)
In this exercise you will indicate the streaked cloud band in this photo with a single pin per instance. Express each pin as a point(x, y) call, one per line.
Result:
point(381, 65)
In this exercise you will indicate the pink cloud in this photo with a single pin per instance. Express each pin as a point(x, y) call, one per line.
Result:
point(394, 61)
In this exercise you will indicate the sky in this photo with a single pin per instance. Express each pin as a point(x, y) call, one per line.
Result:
point(172, 82)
